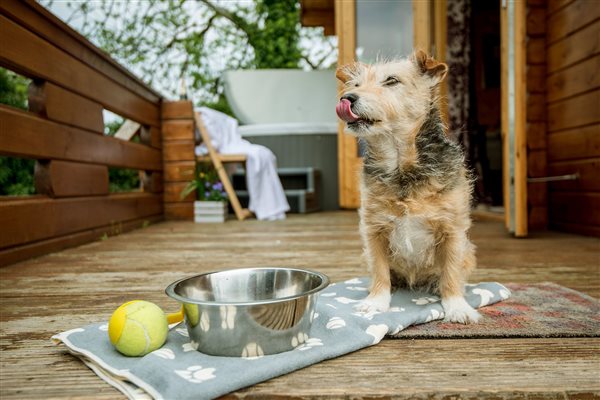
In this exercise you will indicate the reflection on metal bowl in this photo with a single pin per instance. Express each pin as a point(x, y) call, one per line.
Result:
point(249, 312)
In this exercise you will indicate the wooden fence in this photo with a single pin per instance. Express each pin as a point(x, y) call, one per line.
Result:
point(72, 82)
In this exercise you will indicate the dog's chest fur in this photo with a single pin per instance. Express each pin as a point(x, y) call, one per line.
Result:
point(410, 202)
point(412, 241)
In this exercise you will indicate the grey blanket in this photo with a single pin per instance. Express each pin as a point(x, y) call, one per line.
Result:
point(178, 371)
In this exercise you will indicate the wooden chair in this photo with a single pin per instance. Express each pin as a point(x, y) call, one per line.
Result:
point(217, 160)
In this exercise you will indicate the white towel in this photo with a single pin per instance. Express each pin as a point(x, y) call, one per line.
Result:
point(267, 198)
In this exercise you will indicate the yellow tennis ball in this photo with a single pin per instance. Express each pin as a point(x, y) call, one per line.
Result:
point(137, 328)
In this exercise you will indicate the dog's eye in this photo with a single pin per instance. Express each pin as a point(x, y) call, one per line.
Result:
point(391, 81)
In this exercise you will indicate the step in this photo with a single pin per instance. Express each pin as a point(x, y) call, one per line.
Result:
point(300, 201)
point(306, 178)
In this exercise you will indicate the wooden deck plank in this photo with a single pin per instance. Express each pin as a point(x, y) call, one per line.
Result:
point(61, 291)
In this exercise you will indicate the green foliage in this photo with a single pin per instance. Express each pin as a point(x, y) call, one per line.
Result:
point(16, 174)
point(13, 89)
point(276, 40)
point(123, 180)
point(206, 184)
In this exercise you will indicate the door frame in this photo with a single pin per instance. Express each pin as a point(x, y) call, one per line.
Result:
point(513, 108)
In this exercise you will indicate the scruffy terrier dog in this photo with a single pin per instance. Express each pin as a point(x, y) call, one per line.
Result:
point(415, 190)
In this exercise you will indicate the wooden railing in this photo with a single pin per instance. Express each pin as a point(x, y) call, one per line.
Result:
point(72, 82)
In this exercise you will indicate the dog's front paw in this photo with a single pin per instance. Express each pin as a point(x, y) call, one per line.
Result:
point(458, 310)
point(374, 303)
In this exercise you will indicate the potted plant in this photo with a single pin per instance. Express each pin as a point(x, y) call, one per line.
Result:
point(211, 203)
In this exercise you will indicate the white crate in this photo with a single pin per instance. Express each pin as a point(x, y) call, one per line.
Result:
point(210, 211)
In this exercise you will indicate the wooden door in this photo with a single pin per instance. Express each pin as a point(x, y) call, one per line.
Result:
point(429, 34)
point(513, 118)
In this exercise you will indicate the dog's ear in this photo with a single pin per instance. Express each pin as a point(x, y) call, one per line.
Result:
point(347, 72)
point(434, 69)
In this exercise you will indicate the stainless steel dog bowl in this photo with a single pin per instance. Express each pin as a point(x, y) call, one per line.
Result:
point(249, 312)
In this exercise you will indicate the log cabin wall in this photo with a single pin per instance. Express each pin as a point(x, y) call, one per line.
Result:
point(537, 193)
point(63, 130)
point(573, 114)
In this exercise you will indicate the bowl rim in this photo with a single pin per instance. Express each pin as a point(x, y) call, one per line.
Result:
point(170, 290)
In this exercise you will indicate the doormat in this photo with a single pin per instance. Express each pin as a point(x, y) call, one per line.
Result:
point(541, 310)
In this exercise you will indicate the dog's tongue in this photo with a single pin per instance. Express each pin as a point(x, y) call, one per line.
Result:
point(344, 111)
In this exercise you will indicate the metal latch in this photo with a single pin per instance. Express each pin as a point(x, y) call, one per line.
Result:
point(569, 177)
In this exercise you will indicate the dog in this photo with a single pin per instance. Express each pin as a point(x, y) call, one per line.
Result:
point(415, 189)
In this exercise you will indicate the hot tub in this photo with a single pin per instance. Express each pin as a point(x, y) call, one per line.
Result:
point(292, 112)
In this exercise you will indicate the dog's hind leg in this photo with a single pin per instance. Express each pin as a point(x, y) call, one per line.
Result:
point(376, 251)
point(454, 252)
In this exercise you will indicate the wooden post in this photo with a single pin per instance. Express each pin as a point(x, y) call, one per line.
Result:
point(422, 25)
point(440, 27)
point(349, 162)
point(178, 157)
point(514, 115)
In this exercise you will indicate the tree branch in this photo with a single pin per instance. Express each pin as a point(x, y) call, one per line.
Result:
point(308, 61)
point(239, 22)
point(200, 34)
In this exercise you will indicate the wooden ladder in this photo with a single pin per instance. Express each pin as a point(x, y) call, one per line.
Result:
point(217, 161)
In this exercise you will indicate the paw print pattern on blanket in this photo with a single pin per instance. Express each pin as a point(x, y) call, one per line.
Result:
point(366, 314)
point(354, 281)
point(433, 315)
point(196, 374)
point(485, 294)
point(183, 332)
point(357, 288)
point(345, 300)
point(165, 353)
point(377, 331)
point(191, 346)
point(335, 323)
point(421, 301)
point(397, 330)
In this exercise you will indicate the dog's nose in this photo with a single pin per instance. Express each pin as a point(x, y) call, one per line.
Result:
point(351, 97)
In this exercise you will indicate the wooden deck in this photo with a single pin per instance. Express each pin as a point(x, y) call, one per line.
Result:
point(64, 290)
